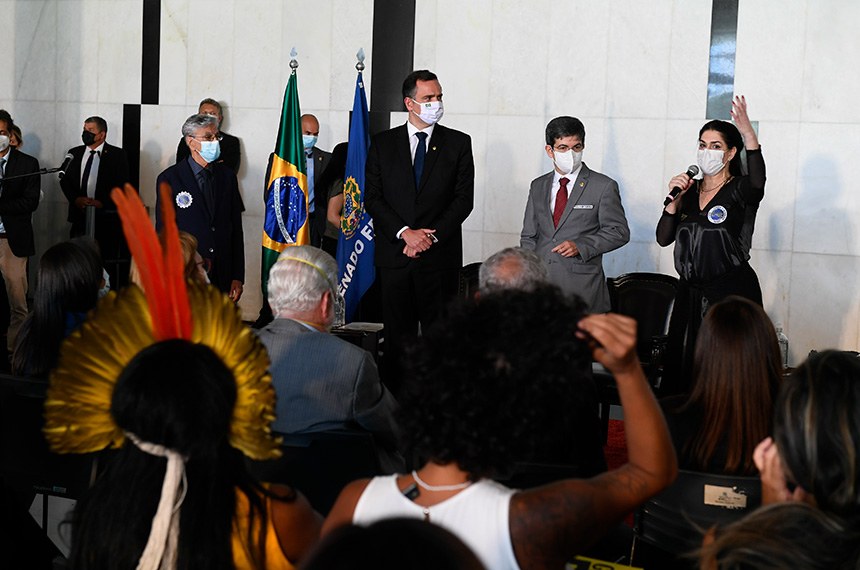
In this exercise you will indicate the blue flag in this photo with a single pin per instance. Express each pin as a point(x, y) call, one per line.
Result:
point(356, 272)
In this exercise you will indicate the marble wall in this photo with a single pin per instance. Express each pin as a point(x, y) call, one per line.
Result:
point(635, 73)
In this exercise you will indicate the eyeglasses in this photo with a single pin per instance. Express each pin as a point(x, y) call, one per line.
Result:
point(564, 148)
point(208, 138)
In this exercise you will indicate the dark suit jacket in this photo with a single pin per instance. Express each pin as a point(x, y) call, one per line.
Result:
point(323, 383)
point(593, 219)
point(442, 201)
point(113, 172)
point(231, 156)
point(217, 227)
point(321, 160)
point(18, 200)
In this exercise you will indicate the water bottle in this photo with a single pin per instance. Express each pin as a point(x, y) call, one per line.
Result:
point(783, 345)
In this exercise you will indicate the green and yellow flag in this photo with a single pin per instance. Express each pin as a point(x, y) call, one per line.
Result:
point(286, 221)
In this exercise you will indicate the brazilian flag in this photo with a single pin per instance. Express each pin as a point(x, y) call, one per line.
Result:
point(286, 221)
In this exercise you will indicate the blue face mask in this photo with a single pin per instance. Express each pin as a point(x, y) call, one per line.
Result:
point(309, 141)
point(210, 150)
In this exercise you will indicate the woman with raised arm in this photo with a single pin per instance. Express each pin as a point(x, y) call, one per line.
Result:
point(482, 390)
point(711, 223)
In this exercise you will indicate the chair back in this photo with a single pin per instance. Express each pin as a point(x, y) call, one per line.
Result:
point(321, 464)
point(27, 465)
point(676, 519)
point(468, 280)
point(648, 298)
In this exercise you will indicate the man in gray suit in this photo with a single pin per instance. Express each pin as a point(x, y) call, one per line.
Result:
point(573, 216)
point(321, 381)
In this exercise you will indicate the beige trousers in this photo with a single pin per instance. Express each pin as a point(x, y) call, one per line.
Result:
point(14, 272)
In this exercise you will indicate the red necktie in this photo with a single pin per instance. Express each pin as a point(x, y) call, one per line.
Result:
point(560, 201)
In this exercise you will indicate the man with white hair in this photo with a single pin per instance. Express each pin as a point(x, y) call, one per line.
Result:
point(512, 268)
point(322, 382)
point(208, 205)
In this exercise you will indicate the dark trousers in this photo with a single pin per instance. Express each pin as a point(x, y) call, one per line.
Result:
point(412, 297)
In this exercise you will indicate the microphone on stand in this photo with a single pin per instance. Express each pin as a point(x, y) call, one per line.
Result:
point(63, 167)
point(691, 172)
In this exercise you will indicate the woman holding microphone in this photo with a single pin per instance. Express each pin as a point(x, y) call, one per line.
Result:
point(711, 222)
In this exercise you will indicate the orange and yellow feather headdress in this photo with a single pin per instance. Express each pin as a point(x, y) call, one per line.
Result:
point(77, 410)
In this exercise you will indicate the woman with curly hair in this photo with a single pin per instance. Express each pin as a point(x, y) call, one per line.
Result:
point(487, 381)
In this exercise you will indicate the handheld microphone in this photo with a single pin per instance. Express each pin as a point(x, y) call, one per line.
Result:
point(63, 167)
point(691, 171)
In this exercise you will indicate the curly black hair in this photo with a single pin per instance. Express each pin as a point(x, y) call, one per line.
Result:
point(493, 378)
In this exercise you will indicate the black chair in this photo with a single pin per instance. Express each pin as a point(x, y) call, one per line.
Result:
point(675, 520)
point(28, 467)
point(321, 464)
point(648, 298)
point(468, 284)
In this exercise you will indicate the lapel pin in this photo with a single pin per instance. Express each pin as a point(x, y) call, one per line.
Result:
point(434, 148)
point(582, 184)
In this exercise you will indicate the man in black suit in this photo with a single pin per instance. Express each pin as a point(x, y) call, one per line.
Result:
point(18, 200)
point(97, 168)
point(420, 180)
point(208, 205)
point(317, 161)
point(230, 154)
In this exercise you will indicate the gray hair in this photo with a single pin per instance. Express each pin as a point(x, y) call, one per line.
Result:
point(299, 278)
point(197, 121)
point(512, 268)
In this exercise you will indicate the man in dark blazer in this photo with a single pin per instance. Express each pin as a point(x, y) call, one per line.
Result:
point(18, 200)
point(316, 163)
point(105, 167)
point(231, 155)
point(208, 205)
point(420, 180)
point(573, 216)
point(322, 382)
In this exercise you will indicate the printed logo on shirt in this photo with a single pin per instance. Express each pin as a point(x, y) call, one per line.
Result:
point(717, 215)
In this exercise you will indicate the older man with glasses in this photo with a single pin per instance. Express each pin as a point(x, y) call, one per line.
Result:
point(208, 205)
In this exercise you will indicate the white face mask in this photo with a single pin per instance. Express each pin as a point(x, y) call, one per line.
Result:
point(710, 161)
point(4, 142)
point(567, 162)
point(430, 112)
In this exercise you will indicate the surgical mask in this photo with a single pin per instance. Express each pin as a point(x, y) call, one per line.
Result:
point(106, 287)
point(710, 161)
point(431, 111)
point(88, 138)
point(4, 142)
point(309, 141)
point(567, 162)
point(210, 150)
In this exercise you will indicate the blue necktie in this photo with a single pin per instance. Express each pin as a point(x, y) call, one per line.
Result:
point(420, 152)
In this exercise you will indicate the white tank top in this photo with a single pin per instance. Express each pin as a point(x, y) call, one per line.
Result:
point(478, 515)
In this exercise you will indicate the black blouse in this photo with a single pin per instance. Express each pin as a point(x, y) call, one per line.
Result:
point(717, 239)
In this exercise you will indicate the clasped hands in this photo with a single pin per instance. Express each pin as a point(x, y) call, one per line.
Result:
point(83, 201)
point(417, 241)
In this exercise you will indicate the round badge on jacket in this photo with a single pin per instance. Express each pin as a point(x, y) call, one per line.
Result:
point(184, 199)
point(717, 215)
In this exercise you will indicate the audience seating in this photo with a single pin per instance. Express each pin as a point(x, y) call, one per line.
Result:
point(675, 520)
point(468, 280)
point(321, 464)
point(28, 468)
point(648, 298)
